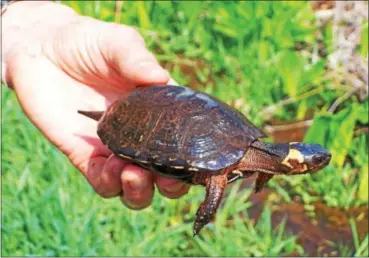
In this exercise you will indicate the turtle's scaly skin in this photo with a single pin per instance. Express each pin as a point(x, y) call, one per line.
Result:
point(177, 132)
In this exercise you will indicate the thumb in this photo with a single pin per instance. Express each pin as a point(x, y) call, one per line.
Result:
point(127, 53)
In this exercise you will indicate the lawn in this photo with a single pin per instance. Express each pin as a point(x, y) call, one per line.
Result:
point(272, 61)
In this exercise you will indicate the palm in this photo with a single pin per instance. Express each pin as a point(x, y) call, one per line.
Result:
point(54, 111)
point(61, 92)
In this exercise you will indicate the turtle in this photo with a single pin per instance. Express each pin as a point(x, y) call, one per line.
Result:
point(191, 136)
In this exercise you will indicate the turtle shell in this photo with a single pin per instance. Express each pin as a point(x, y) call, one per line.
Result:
point(176, 131)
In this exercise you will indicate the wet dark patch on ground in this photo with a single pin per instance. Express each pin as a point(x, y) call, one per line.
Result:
point(323, 234)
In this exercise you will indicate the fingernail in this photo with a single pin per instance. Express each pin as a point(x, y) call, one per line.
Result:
point(173, 188)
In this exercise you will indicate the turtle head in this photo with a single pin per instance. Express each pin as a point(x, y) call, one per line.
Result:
point(304, 158)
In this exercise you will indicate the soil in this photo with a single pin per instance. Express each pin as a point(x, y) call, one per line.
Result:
point(320, 235)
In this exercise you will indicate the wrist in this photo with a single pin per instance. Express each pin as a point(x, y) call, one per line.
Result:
point(25, 21)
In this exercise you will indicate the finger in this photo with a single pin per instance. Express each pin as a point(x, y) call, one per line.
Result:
point(104, 175)
point(171, 188)
point(138, 187)
point(128, 54)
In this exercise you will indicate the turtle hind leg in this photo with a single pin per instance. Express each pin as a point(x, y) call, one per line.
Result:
point(214, 192)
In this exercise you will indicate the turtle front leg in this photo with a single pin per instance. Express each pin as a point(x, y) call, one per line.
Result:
point(214, 192)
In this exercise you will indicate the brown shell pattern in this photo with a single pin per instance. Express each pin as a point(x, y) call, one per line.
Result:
point(176, 131)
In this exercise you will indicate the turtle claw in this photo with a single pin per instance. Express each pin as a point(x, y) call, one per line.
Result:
point(200, 222)
point(196, 229)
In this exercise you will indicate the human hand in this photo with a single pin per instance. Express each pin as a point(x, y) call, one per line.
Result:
point(83, 64)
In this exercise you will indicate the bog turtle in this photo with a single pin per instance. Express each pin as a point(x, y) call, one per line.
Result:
point(188, 135)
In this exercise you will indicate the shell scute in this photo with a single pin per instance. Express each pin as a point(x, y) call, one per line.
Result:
point(171, 129)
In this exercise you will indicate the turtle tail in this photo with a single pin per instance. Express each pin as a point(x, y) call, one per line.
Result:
point(95, 115)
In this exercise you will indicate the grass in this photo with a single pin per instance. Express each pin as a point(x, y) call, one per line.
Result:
point(241, 52)
point(360, 247)
point(49, 209)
